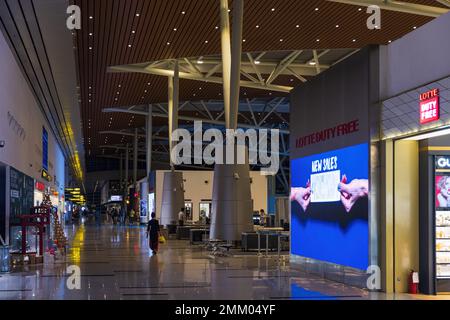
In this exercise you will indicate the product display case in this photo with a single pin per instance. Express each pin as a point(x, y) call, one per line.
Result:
point(443, 244)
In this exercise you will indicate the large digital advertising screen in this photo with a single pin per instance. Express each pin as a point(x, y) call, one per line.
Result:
point(330, 206)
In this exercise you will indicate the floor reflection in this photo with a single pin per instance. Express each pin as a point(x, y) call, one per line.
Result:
point(116, 264)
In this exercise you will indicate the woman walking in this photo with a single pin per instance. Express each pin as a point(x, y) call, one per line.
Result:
point(153, 233)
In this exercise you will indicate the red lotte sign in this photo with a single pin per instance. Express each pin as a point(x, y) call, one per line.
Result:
point(429, 106)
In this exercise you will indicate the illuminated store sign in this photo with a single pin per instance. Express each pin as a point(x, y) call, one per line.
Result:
point(429, 106)
point(46, 176)
point(328, 134)
point(40, 186)
point(443, 163)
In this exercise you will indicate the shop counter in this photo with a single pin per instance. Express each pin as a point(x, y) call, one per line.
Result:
point(198, 235)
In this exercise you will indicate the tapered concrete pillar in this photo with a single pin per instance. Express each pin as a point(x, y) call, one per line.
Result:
point(127, 167)
point(148, 140)
point(127, 171)
point(232, 206)
point(121, 172)
point(172, 197)
point(135, 158)
point(173, 191)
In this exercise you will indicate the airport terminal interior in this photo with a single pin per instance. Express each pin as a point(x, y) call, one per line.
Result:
point(224, 150)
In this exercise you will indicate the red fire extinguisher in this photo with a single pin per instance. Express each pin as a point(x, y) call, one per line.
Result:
point(413, 283)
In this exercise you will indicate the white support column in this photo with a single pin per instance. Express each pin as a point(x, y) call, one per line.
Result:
point(173, 105)
point(149, 138)
point(127, 169)
point(226, 57)
point(236, 57)
point(135, 157)
point(121, 171)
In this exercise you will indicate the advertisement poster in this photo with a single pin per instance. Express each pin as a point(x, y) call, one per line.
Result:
point(443, 191)
point(330, 206)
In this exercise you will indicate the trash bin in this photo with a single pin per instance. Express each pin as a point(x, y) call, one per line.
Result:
point(5, 259)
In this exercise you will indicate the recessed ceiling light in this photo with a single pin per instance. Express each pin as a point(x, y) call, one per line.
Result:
point(257, 62)
point(216, 27)
point(133, 32)
point(318, 40)
point(257, 26)
point(297, 26)
point(316, 9)
point(174, 29)
point(354, 40)
point(359, 9)
point(312, 63)
point(183, 12)
point(414, 28)
point(337, 26)
point(90, 48)
point(206, 41)
point(390, 41)
point(273, 9)
point(90, 34)
point(91, 17)
point(129, 46)
point(137, 14)
point(148, 83)
point(281, 40)
point(243, 40)
point(168, 43)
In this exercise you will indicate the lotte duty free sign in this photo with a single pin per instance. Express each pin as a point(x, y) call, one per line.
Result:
point(429, 106)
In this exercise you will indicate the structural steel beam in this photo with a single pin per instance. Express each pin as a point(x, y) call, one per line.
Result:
point(236, 56)
point(190, 76)
point(444, 2)
point(185, 118)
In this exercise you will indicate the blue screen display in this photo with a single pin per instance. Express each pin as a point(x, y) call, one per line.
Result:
point(330, 206)
point(44, 149)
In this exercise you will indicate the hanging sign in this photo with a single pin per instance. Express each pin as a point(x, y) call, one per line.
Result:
point(429, 106)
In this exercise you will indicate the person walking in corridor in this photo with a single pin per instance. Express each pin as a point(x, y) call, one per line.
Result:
point(153, 233)
point(181, 217)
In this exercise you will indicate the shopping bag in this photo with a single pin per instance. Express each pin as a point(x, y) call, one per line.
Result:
point(161, 239)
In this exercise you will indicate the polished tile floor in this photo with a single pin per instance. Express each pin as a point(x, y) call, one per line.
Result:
point(116, 264)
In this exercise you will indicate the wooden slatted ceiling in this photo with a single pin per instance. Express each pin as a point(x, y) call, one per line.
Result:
point(113, 23)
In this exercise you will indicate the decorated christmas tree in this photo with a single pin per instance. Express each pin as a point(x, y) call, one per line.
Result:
point(59, 237)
